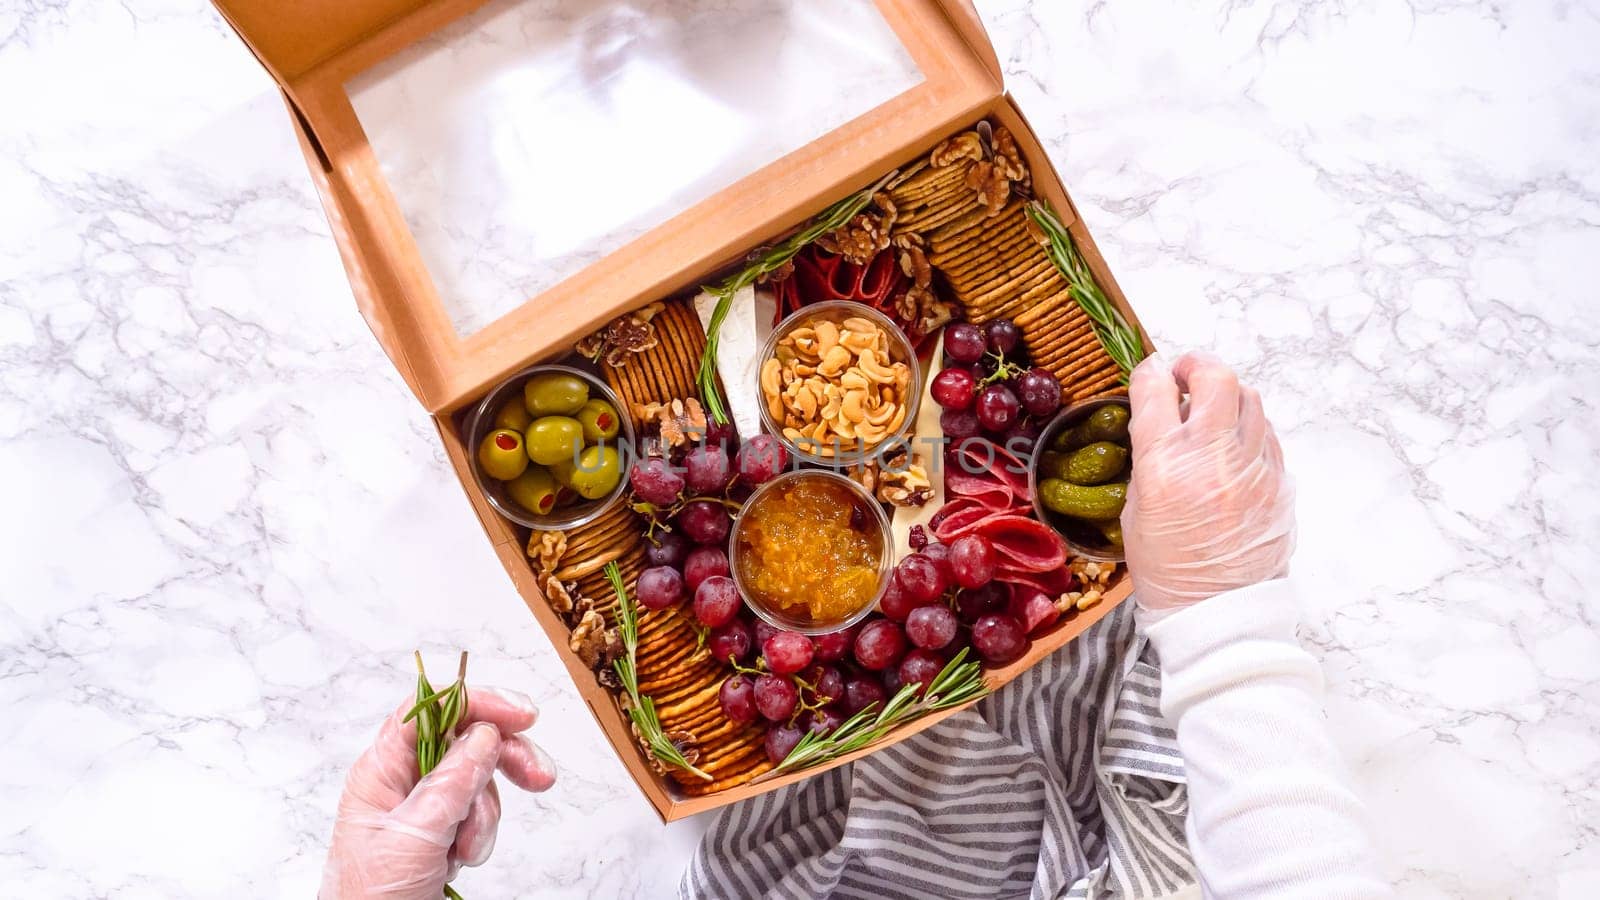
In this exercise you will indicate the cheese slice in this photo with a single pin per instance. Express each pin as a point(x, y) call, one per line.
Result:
point(748, 323)
point(927, 448)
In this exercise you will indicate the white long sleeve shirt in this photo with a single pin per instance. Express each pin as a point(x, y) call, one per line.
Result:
point(1270, 812)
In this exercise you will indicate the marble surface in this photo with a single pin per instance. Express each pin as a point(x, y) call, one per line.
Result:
point(225, 523)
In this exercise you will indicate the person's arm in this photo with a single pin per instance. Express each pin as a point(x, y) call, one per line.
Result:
point(1270, 814)
point(1209, 529)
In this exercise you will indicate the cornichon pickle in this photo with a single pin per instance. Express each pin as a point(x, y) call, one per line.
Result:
point(1103, 501)
point(1053, 464)
point(1097, 463)
point(1108, 423)
point(1112, 529)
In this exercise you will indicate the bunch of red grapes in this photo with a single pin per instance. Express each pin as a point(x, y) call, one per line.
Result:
point(940, 599)
point(987, 388)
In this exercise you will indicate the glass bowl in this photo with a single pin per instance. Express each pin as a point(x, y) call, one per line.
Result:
point(900, 350)
point(571, 516)
point(778, 618)
point(1082, 540)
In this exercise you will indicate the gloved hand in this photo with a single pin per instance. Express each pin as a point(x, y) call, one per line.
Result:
point(1209, 507)
point(397, 838)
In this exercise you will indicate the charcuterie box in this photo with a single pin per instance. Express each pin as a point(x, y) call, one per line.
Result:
point(648, 234)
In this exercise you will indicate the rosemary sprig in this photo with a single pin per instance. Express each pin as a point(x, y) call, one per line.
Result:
point(437, 714)
point(960, 681)
point(641, 709)
point(831, 219)
point(1120, 339)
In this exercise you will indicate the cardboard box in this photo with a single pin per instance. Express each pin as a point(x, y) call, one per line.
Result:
point(313, 48)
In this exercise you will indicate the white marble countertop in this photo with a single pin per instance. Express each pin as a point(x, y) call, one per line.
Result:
point(224, 523)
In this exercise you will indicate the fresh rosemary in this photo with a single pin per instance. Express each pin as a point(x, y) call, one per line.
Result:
point(960, 681)
point(437, 714)
point(641, 709)
point(770, 260)
point(1121, 340)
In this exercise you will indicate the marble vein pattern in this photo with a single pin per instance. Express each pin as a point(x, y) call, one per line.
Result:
point(224, 523)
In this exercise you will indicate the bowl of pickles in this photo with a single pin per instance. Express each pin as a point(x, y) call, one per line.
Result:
point(549, 447)
point(1079, 476)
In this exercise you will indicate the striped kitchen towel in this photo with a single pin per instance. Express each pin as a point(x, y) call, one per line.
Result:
point(1066, 783)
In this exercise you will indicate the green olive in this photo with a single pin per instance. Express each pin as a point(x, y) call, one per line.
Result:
point(554, 439)
point(513, 416)
point(562, 472)
point(534, 490)
point(600, 421)
point(599, 469)
point(501, 454)
point(555, 394)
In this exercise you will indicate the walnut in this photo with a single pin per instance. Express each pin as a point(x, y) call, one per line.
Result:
point(678, 421)
point(889, 213)
point(992, 185)
point(781, 273)
point(966, 145)
point(1008, 157)
point(627, 333)
point(557, 595)
point(915, 264)
point(902, 481)
point(592, 642)
point(858, 240)
point(547, 548)
point(866, 475)
point(932, 313)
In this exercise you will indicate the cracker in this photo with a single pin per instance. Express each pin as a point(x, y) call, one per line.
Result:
point(1061, 354)
point(943, 215)
point(1030, 285)
point(996, 274)
point(698, 788)
point(1050, 310)
point(677, 708)
point(1105, 382)
point(981, 259)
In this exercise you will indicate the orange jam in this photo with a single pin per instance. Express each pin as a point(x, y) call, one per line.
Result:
point(809, 548)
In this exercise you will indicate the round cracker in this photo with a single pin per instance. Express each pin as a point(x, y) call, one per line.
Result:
point(982, 251)
point(1050, 310)
point(701, 788)
point(973, 228)
point(677, 708)
point(1105, 382)
point(1065, 350)
point(996, 273)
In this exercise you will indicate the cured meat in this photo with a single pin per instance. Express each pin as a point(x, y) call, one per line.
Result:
point(982, 469)
point(1020, 543)
point(820, 276)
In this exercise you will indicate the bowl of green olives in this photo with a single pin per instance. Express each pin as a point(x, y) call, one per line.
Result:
point(1079, 476)
point(549, 447)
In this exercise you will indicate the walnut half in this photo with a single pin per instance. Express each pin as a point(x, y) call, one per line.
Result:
point(592, 642)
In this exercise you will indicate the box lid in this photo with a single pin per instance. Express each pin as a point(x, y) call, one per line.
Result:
point(505, 176)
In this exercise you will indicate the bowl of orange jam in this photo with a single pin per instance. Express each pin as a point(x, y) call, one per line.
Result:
point(811, 552)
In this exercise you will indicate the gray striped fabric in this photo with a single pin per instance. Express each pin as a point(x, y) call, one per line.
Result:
point(1067, 783)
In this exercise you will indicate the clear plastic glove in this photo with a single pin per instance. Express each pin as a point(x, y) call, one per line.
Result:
point(1209, 507)
point(397, 838)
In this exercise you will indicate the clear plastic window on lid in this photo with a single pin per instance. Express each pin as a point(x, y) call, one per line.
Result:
point(530, 139)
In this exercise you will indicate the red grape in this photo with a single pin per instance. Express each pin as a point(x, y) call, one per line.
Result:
point(931, 627)
point(896, 603)
point(921, 667)
point(776, 696)
point(707, 470)
point(737, 698)
point(716, 601)
point(787, 652)
point(997, 407)
point(958, 424)
point(892, 682)
point(972, 560)
point(764, 632)
point(730, 642)
point(761, 459)
point(1039, 391)
point(703, 563)
point(659, 587)
point(780, 739)
point(705, 522)
point(974, 603)
point(1002, 336)
point(861, 691)
point(999, 638)
point(920, 579)
point(954, 388)
point(654, 481)
point(880, 645)
point(822, 721)
point(826, 682)
point(668, 549)
point(940, 554)
point(964, 342)
point(833, 646)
